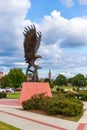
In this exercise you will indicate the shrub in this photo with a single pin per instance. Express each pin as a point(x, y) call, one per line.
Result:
point(62, 90)
point(73, 107)
point(3, 95)
point(82, 95)
point(36, 102)
point(54, 105)
point(68, 107)
point(78, 89)
point(71, 95)
point(51, 85)
point(58, 88)
point(74, 89)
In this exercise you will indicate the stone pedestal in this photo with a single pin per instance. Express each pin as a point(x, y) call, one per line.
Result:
point(33, 88)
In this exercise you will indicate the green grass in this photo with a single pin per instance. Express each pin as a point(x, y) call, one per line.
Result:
point(66, 88)
point(15, 95)
point(4, 126)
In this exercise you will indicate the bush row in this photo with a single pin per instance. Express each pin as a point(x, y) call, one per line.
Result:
point(54, 105)
point(81, 95)
point(3, 95)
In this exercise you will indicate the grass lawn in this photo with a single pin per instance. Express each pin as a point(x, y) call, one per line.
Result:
point(15, 95)
point(67, 87)
point(4, 126)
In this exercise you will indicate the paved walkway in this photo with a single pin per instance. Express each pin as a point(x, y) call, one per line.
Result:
point(13, 114)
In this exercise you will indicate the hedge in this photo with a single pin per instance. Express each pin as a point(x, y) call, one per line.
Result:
point(3, 95)
point(82, 95)
point(54, 105)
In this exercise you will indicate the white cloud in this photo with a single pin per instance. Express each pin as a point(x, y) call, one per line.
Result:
point(50, 55)
point(66, 32)
point(50, 51)
point(12, 15)
point(68, 74)
point(83, 2)
point(68, 3)
point(58, 33)
point(20, 63)
point(12, 23)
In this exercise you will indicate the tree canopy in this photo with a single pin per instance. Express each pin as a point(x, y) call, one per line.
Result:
point(5, 81)
point(61, 80)
point(17, 77)
point(79, 80)
point(47, 80)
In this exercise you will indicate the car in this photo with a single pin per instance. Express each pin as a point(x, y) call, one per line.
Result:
point(10, 90)
point(2, 90)
point(18, 89)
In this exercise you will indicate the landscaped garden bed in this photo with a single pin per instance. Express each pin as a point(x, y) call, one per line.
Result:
point(56, 106)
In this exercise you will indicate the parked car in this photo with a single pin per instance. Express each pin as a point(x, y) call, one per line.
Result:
point(10, 90)
point(2, 90)
point(18, 89)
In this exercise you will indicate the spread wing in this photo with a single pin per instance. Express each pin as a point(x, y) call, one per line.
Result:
point(31, 42)
point(38, 39)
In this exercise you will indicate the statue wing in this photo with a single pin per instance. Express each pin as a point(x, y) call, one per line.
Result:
point(38, 39)
point(30, 42)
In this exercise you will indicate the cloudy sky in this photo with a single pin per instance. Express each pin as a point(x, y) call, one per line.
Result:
point(63, 24)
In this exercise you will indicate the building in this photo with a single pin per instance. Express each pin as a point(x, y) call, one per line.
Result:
point(49, 75)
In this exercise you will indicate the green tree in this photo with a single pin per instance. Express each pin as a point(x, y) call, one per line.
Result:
point(51, 85)
point(47, 80)
point(5, 81)
point(69, 80)
point(79, 80)
point(61, 80)
point(17, 77)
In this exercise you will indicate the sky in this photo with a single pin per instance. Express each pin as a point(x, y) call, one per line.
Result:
point(63, 24)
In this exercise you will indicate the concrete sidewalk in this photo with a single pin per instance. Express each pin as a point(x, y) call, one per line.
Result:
point(84, 117)
point(24, 120)
point(32, 121)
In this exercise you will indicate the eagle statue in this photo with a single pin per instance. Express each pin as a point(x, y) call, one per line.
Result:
point(32, 40)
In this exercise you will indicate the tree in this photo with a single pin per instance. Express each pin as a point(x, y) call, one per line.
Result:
point(47, 80)
point(17, 77)
point(5, 81)
point(51, 85)
point(61, 80)
point(69, 80)
point(79, 80)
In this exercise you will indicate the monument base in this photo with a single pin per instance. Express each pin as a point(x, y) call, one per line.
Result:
point(33, 88)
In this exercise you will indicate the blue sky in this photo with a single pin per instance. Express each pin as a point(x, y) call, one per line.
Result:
point(63, 24)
